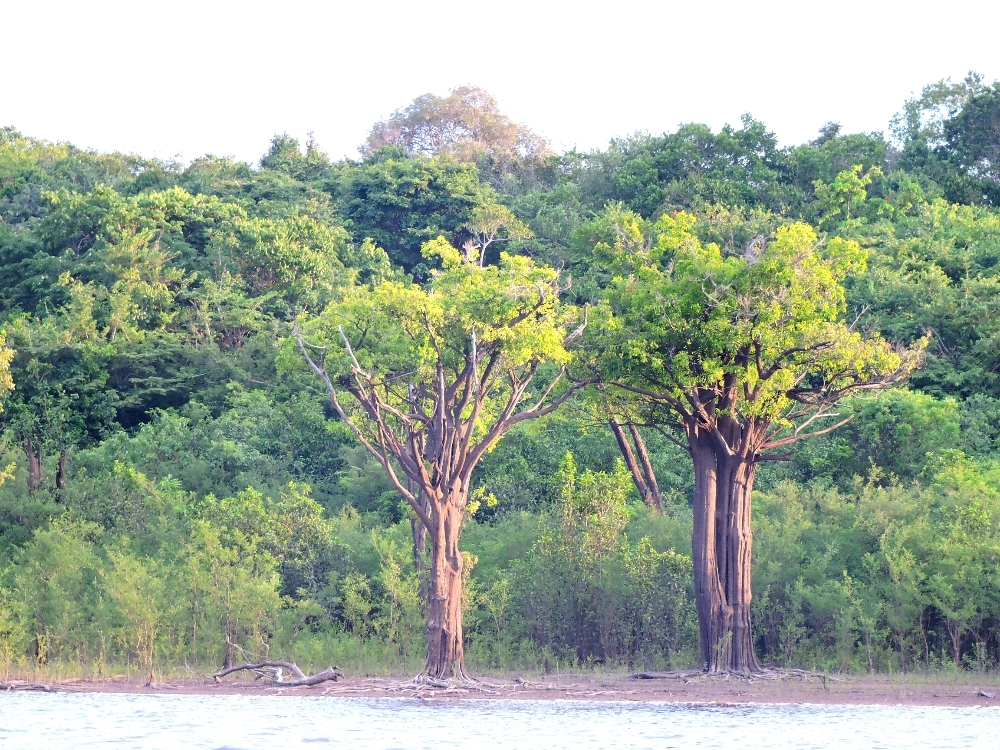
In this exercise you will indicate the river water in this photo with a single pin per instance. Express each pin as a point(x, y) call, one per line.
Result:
point(230, 722)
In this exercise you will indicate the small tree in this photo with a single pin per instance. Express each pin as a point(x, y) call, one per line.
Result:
point(743, 354)
point(429, 379)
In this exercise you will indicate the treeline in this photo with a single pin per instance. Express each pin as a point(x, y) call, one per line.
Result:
point(180, 491)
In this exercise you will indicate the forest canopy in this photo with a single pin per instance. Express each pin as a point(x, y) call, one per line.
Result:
point(288, 406)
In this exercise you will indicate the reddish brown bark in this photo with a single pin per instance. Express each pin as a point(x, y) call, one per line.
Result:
point(722, 544)
point(445, 639)
point(419, 533)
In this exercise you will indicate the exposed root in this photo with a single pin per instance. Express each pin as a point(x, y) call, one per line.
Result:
point(423, 686)
point(274, 671)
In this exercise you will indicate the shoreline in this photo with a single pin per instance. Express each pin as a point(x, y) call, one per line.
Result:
point(719, 691)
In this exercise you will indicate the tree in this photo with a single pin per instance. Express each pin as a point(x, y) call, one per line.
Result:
point(737, 167)
point(430, 379)
point(950, 135)
point(972, 141)
point(401, 202)
point(467, 125)
point(746, 354)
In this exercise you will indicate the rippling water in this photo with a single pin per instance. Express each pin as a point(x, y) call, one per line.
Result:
point(92, 720)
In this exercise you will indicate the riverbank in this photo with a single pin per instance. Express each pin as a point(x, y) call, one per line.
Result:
point(915, 690)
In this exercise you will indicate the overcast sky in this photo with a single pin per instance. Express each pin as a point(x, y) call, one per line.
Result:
point(188, 77)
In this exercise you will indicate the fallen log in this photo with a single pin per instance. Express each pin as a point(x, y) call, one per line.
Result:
point(277, 676)
point(678, 675)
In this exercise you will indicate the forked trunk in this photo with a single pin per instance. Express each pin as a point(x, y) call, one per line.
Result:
point(721, 546)
point(641, 468)
point(655, 496)
point(445, 652)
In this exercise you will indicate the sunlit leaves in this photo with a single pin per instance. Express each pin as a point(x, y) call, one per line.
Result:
point(761, 329)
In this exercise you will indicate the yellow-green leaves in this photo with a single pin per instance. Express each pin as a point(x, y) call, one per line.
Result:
point(508, 317)
point(759, 330)
point(6, 356)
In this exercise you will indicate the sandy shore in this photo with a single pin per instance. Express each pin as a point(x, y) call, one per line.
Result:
point(909, 690)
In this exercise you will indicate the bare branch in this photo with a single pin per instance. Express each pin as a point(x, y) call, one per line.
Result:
point(797, 437)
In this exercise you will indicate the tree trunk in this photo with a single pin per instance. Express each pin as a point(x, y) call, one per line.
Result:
point(710, 599)
point(738, 539)
point(61, 475)
point(34, 464)
point(721, 546)
point(955, 632)
point(445, 648)
point(419, 533)
point(641, 468)
point(655, 496)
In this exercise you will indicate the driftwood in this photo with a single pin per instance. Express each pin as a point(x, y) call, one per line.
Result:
point(26, 686)
point(678, 675)
point(768, 673)
point(277, 675)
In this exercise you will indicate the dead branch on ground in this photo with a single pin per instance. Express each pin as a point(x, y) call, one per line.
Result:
point(274, 671)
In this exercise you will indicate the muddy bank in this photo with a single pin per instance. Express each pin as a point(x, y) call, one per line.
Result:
point(693, 689)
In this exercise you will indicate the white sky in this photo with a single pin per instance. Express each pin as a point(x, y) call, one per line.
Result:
point(184, 78)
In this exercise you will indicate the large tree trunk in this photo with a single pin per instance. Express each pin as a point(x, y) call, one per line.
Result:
point(737, 540)
point(419, 533)
point(710, 598)
point(721, 546)
point(445, 650)
point(34, 464)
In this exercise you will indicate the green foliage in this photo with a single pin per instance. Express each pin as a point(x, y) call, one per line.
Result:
point(402, 202)
point(587, 593)
point(879, 577)
point(694, 166)
point(934, 271)
point(174, 485)
point(757, 337)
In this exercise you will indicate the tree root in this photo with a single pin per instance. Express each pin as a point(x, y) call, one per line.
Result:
point(273, 670)
point(423, 685)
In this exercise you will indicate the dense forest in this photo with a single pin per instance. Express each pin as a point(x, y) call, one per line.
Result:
point(471, 404)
